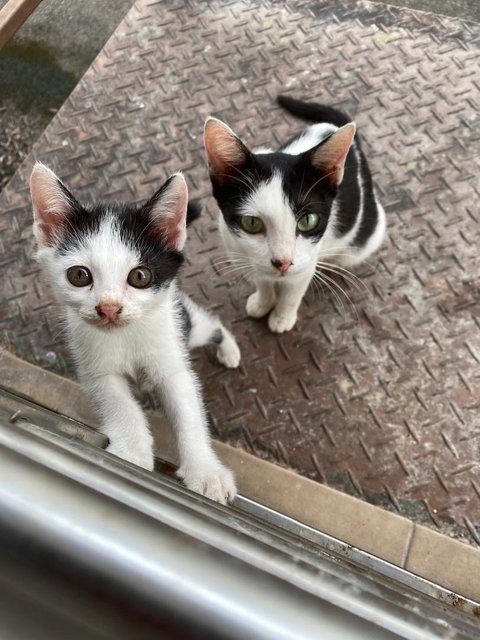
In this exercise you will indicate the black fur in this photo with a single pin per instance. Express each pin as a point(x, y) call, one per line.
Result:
point(216, 337)
point(313, 112)
point(185, 320)
point(134, 224)
point(194, 211)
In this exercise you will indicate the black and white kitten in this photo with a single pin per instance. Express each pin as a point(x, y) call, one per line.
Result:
point(286, 214)
point(112, 269)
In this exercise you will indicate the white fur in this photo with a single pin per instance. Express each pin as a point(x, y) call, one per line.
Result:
point(148, 344)
point(281, 295)
point(310, 138)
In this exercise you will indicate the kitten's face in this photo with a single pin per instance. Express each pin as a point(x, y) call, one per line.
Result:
point(276, 206)
point(108, 263)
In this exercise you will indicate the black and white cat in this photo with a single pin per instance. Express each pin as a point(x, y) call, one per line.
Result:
point(112, 269)
point(286, 214)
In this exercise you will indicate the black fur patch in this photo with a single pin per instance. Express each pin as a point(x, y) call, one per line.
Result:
point(313, 112)
point(231, 191)
point(216, 337)
point(185, 319)
point(194, 211)
point(370, 210)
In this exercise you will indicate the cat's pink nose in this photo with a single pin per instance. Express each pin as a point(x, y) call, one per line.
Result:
point(282, 265)
point(108, 312)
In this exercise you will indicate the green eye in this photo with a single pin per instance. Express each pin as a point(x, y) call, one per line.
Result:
point(308, 222)
point(251, 224)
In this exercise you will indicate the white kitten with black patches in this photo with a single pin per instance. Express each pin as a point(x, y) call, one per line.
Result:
point(112, 269)
point(295, 214)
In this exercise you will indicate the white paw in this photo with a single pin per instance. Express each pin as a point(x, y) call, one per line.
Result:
point(257, 307)
point(140, 454)
point(281, 322)
point(228, 352)
point(212, 480)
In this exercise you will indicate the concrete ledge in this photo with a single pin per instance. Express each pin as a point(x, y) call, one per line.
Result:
point(433, 556)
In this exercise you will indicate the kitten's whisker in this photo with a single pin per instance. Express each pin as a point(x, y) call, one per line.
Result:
point(345, 273)
point(330, 253)
point(335, 284)
point(321, 279)
point(224, 263)
point(350, 283)
point(236, 269)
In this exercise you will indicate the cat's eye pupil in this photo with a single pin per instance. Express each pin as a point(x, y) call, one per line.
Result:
point(140, 277)
point(79, 276)
point(251, 224)
point(308, 222)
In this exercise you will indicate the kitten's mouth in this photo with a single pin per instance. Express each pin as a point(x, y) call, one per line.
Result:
point(106, 323)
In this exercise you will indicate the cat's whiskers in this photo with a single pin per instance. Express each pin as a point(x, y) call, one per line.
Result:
point(324, 277)
point(226, 263)
point(342, 253)
point(320, 279)
point(234, 269)
point(345, 273)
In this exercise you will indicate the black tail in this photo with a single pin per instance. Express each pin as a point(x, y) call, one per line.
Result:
point(194, 211)
point(313, 112)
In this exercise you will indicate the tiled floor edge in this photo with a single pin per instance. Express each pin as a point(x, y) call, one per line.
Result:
point(433, 556)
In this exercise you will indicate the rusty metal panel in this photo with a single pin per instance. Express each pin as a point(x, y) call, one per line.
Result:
point(380, 396)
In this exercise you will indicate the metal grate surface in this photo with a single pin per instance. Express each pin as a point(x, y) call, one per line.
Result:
point(379, 398)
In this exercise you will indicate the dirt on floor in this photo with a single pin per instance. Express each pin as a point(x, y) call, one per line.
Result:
point(41, 65)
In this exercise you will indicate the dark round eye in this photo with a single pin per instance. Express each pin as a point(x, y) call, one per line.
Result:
point(79, 276)
point(251, 224)
point(140, 277)
point(308, 222)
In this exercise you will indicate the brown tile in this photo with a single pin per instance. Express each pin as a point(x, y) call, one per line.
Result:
point(353, 521)
point(449, 563)
point(45, 388)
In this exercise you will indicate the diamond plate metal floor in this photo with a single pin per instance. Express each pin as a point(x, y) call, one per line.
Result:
point(380, 399)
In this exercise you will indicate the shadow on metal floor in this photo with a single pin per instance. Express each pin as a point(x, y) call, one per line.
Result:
point(378, 397)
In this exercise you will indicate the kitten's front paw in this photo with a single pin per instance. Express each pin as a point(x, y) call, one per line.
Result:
point(228, 352)
point(257, 306)
point(281, 322)
point(212, 480)
point(140, 454)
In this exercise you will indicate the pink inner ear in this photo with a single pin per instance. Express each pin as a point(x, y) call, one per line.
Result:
point(174, 234)
point(48, 232)
point(223, 148)
point(51, 204)
point(169, 214)
point(331, 155)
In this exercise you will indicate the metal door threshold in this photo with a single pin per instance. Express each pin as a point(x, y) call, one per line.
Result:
point(107, 548)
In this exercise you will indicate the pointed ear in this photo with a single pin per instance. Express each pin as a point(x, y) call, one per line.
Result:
point(167, 210)
point(330, 155)
point(52, 204)
point(225, 151)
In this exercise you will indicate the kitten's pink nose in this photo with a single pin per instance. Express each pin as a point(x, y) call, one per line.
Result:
point(282, 265)
point(108, 312)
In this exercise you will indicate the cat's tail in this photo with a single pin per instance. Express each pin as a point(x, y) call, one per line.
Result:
point(194, 211)
point(313, 112)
